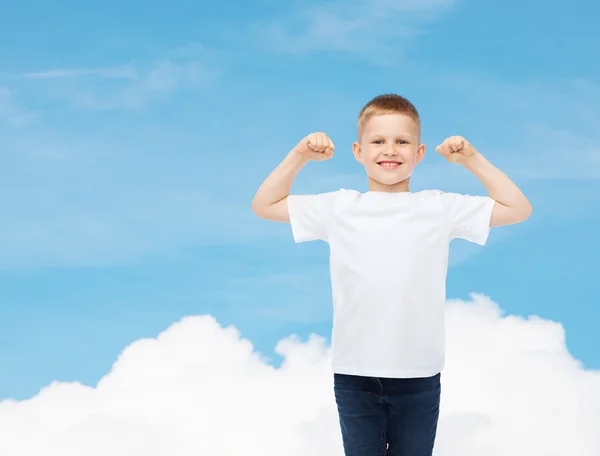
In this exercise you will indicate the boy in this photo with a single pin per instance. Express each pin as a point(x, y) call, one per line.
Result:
point(388, 259)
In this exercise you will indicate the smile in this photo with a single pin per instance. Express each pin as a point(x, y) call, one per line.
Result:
point(389, 164)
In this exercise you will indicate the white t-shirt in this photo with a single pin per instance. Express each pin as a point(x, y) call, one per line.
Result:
point(388, 262)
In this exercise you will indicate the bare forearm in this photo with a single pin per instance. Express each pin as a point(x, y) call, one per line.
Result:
point(499, 186)
point(278, 184)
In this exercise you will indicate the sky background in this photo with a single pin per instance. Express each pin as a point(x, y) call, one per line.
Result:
point(133, 137)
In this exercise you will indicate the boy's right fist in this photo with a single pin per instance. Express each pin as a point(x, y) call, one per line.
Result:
point(316, 146)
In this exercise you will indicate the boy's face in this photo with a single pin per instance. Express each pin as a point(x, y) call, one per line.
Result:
point(389, 149)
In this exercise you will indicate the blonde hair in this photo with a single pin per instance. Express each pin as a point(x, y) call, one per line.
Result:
point(387, 104)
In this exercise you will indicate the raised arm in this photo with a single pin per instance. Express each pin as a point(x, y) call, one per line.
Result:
point(270, 201)
point(512, 206)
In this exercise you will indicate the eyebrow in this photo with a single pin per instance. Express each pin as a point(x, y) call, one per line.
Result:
point(379, 135)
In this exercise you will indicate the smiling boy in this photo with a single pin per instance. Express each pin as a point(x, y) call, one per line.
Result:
point(388, 260)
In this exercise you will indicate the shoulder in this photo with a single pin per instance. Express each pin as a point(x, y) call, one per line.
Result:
point(330, 201)
point(453, 202)
point(345, 198)
point(452, 198)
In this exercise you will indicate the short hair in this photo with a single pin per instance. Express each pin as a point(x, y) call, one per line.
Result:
point(387, 104)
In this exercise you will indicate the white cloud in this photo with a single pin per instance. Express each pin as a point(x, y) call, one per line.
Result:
point(129, 86)
point(124, 72)
point(510, 389)
point(360, 27)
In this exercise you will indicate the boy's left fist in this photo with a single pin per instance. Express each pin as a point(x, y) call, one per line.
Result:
point(456, 149)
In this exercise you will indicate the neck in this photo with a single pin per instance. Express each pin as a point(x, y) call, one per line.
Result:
point(399, 187)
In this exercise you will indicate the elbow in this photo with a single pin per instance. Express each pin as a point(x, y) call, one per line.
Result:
point(258, 209)
point(255, 208)
point(529, 211)
point(525, 211)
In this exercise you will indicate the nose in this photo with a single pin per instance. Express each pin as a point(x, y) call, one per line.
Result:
point(390, 150)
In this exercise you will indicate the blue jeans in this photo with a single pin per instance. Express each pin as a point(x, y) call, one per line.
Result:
point(387, 416)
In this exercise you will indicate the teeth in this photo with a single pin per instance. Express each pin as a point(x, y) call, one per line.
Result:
point(389, 164)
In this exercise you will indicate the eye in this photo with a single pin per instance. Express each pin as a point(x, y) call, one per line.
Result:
point(401, 141)
point(377, 141)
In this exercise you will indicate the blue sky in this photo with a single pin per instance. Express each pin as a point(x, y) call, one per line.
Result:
point(134, 135)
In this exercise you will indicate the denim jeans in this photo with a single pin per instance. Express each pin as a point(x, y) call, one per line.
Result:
point(387, 416)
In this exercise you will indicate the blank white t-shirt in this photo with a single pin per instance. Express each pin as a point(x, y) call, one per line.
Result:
point(388, 263)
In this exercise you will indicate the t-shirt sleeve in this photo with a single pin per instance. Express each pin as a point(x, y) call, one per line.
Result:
point(311, 215)
point(469, 216)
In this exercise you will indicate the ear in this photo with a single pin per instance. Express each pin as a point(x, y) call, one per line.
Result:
point(356, 150)
point(420, 152)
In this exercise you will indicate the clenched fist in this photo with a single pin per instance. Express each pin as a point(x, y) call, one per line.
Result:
point(316, 146)
point(456, 149)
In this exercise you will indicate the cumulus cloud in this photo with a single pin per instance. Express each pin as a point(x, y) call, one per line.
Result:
point(510, 389)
